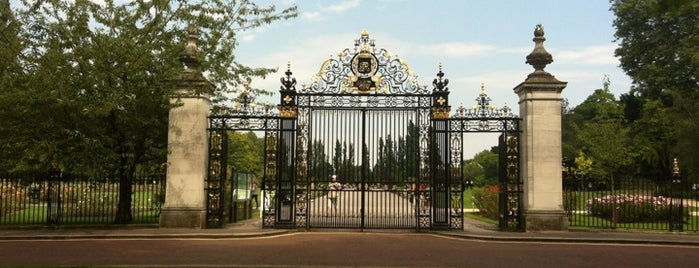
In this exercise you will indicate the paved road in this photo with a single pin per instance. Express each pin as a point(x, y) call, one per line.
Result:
point(340, 249)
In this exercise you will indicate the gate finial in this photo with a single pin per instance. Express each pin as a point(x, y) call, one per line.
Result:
point(287, 92)
point(539, 57)
point(288, 82)
point(440, 83)
point(189, 55)
point(440, 96)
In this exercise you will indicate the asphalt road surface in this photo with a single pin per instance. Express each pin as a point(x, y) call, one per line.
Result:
point(336, 249)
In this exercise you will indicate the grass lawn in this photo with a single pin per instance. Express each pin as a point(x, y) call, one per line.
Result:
point(468, 196)
point(478, 217)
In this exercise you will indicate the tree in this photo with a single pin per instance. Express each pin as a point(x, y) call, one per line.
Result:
point(657, 49)
point(653, 137)
point(343, 161)
point(11, 77)
point(583, 167)
point(319, 162)
point(96, 96)
point(338, 158)
point(602, 134)
point(247, 154)
point(482, 170)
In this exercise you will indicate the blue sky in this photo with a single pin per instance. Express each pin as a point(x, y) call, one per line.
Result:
point(476, 41)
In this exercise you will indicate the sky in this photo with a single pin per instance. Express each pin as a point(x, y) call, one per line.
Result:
point(476, 41)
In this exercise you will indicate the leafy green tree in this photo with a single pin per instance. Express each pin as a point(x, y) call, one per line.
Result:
point(412, 152)
point(246, 153)
point(602, 134)
point(11, 77)
point(472, 171)
point(657, 44)
point(653, 137)
point(319, 162)
point(583, 168)
point(482, 170)
point(387, 159)
point(657, 49)
point(95, 96)
point(339, 158)
point(343, 161)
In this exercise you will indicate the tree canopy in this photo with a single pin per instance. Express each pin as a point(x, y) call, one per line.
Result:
point(88, 81)
point(482, 170)
point(657, 49)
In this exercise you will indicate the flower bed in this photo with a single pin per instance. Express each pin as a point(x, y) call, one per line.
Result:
point(486, 199)
point(630, 208)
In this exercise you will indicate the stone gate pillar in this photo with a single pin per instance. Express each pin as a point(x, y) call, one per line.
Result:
point(185, 199)
point(541, 150)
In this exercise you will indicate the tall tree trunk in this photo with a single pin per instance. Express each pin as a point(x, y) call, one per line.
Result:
point(126, 173)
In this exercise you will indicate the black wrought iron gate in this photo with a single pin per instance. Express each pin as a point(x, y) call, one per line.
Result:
point(374, 154)
point(394, 148)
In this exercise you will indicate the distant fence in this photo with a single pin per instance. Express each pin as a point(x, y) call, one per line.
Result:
point(634, 204)
point(75, 200)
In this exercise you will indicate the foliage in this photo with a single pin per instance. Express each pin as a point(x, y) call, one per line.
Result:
point(482, 170)
point(343, 162)
point(654, 138)
point(597, 137)
point(657, 49)
point(570, 202)
point(319, 161)
point(92, 91)
point(669, 27)
point(486, 199)
point(14, 198)
point(246, 153)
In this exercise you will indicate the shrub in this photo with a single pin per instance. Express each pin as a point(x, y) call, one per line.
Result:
point(486, 199)
point(81, 200)
point(570, 202)
point(12, 198)
point(630, 208)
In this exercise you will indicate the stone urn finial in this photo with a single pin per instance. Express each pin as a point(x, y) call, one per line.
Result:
point(539, 57)
point(189, 55)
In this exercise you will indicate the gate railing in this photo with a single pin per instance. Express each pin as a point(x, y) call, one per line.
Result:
point(67, 199)
point(632, 204)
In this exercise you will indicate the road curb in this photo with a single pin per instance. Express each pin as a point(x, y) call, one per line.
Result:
point(641, 240)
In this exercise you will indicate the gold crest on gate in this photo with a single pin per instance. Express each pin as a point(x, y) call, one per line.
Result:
point(364, 67)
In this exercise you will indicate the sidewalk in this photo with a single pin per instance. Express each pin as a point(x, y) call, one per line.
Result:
point(252, 228)
point(474, 229)
point(243, 229)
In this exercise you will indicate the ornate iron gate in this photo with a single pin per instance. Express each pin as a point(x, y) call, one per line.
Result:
point(364, 119)
point(392, 144)
point(485, 117)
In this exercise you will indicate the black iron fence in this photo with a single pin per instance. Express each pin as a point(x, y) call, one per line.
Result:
point(633, 204)
point(70, 199)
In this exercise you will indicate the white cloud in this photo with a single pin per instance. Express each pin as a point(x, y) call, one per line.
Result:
point(250, 34)
point(592, 55)
point(306, 56)
point(312, 16)
point(247, 37)
point(455, 49)
point(343, 6)
point(321, 13)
